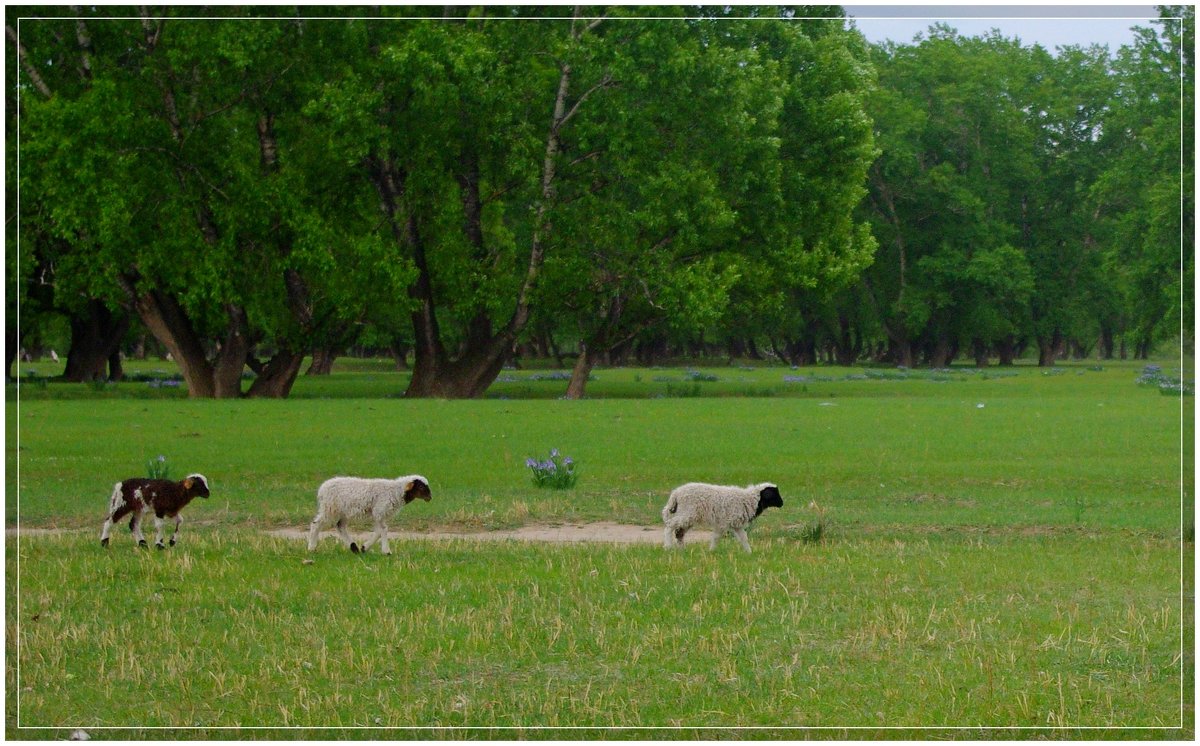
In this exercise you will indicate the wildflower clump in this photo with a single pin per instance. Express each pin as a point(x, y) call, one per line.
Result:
point(557, 472)
point(1152, 375)
point(158, 468)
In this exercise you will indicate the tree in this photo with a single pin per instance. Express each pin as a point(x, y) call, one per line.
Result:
point(815, 245)
point(442, 120)
point(667, 156)
point(1143, 196)
point(96, 328)
point(979, 198)
point(187, 178)
point(1068, 94)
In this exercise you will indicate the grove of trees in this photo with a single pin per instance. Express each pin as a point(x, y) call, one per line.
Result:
point(472, 185)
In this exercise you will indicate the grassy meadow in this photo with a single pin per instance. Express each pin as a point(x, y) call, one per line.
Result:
point(1002, 549)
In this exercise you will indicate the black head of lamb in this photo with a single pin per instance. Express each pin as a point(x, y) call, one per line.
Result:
point(196, 485)
point(768, 497)
point(418, 487)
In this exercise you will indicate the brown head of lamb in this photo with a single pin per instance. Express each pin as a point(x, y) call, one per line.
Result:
point(163, 497)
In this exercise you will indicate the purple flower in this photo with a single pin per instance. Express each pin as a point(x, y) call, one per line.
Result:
point(568, 461)
point(531, 462)
point(553, 453)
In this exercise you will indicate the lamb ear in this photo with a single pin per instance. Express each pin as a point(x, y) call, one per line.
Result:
point(187, 483)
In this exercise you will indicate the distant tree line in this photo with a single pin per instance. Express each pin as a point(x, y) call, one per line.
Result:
point(465, 192)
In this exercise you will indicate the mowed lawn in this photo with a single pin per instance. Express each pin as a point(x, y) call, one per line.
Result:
point(1001, 549)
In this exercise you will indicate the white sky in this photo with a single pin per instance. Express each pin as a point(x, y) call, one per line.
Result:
point(1048, 25)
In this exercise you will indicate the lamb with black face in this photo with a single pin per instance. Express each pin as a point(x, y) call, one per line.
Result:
point(722, 508)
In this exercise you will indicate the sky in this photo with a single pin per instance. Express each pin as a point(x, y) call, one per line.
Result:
point(1049, 25)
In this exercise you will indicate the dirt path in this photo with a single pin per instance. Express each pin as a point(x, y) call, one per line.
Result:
point(601, 532)
point(14, 532)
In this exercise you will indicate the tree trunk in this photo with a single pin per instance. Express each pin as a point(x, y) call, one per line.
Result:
point(901, 352)
point(12, 342)
point(399, 352)
point(466, 378)
point(276, 378)
point(843, 347)
point(1006, 349)
point(1048, 349)
point(116, 371)
point(980, 351)
point(322, 362)
point(580, 373)
point(231, 357)
point(1143, 346)
point(752, 349)
point(939, 357)
point(95, 335)
point(553, 349)
point(1105, 343)
point(736, 349)
point(802, 351)
point(779, 350)
point(166, 320)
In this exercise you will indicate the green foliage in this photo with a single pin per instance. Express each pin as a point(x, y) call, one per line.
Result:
point(724, 177)
point(1144, 188)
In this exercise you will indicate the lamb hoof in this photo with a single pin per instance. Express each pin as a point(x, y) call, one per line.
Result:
point(172, 541)
point(104, 542)
point(142, 544)
point(159, 545)
point(354, 548)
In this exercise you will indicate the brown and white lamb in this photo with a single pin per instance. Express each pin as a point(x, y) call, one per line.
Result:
point(162, 496)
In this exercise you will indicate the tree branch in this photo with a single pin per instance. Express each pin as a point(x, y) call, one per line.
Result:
point(637, 329)
point(85, 45)
point(605, 82)
point(30, 70)
point(150, 30)
point(595, 23)
point(586, 157)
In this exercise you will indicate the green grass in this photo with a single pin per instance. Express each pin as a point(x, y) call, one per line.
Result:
point(378, 379)
point(1011, 565)
point(1082, 451)
point(234, 629)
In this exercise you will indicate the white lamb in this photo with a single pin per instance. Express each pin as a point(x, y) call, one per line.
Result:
point(341, 498)
point(723, 509)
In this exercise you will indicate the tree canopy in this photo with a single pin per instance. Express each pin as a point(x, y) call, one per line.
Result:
point(250, 190)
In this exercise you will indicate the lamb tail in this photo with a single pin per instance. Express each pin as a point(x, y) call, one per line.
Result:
point(672, 505)
point(117, 499)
